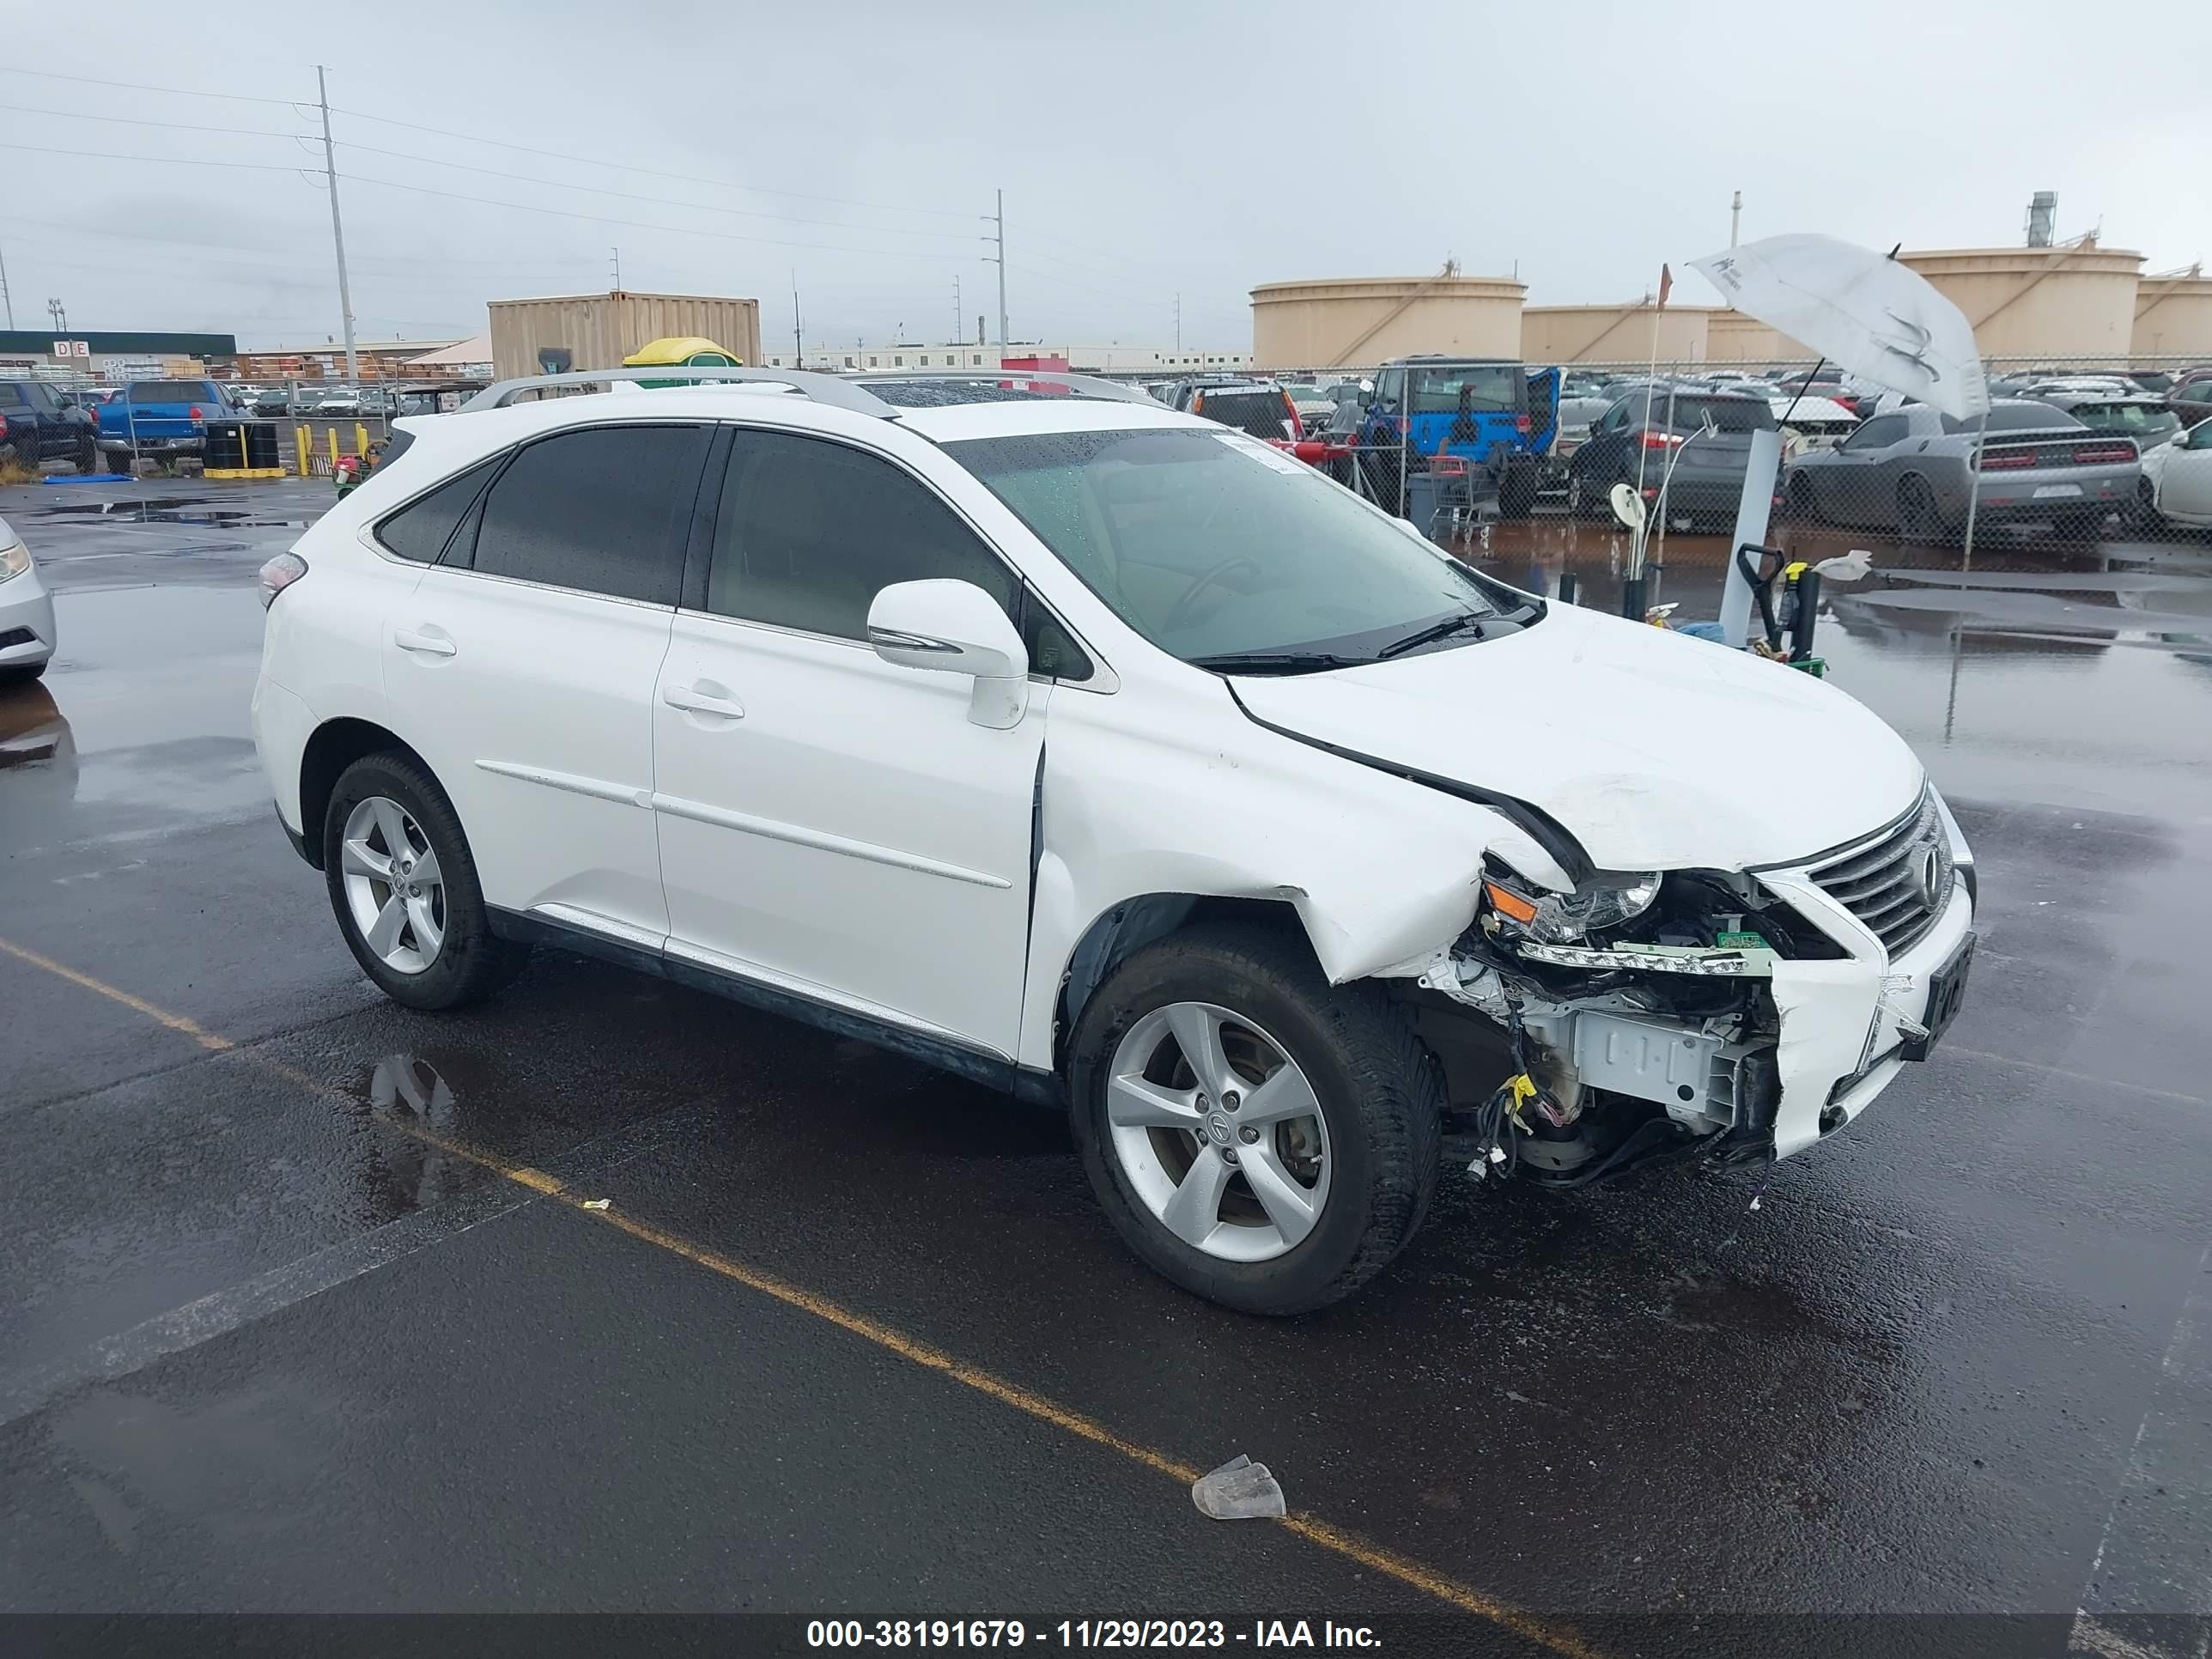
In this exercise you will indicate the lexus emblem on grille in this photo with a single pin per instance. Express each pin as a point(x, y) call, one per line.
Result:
point(1931, 876)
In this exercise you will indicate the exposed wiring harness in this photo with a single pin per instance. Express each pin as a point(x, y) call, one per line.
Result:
point(1502, 1120)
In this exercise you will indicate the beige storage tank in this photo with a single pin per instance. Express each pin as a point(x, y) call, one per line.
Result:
point(2173, 315)
point(2039, 303)
point(597, 331)
point(1355, 321)
point(1733, 337)
point(1612, 334)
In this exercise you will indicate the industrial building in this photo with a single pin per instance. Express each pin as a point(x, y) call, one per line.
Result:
point(107, 356)
point(597, 331)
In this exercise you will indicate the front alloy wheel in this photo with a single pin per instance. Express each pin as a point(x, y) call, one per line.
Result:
point(1218, 1132)
point(1256, 1134)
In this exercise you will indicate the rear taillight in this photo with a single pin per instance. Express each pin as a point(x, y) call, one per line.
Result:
point(279, 574)
point(2104, 454)
point(3, 426)
point(2007, 460)
point(1663, 441)
point(195, 413)
point(1521, 423)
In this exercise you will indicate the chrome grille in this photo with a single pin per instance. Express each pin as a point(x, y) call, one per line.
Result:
point(1896, 883)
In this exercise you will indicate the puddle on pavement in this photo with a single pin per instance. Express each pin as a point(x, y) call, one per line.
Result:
point(177, 509)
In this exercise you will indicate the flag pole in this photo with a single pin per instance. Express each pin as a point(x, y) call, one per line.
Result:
point(1632, 591)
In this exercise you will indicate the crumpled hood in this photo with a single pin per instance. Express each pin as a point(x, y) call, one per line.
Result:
point(1653, 751)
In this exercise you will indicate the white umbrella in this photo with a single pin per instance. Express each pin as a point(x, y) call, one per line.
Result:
point(1870, 315)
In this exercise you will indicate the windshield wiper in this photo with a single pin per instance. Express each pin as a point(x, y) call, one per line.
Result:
point(1461, 624)
point(1273, 662)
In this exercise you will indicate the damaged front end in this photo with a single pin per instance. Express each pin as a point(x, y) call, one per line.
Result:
point(1641, 1015)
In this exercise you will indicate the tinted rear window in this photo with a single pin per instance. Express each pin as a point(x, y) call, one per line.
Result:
point(1262, 414)
point(602, 510)
point(1725, 414)
point(419, 530)
point(1479, 388)
point(173, 392)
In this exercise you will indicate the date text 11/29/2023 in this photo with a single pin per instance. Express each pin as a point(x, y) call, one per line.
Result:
point(1126, 1633)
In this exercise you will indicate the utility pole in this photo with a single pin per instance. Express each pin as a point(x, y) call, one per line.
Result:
point(6, 298)
point(59, 314)
point(1002, 274)
point(1178, 322)
point(798, 337)
point(956, 324)
point(1735, 216)
point(617, 253)
point(338, 230)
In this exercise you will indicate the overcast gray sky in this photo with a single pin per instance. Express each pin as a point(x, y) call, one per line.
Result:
point(1146, 149)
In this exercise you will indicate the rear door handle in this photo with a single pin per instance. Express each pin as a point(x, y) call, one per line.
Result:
point(696, 699)
point(426, 642)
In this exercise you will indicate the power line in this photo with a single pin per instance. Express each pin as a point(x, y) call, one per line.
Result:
point(160, 161)
point(141, 121)
point(673, 230)
point(656, 172)
point(134, 86)
point(658, 201)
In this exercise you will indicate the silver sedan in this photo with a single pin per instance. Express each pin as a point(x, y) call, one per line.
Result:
point(27, 612)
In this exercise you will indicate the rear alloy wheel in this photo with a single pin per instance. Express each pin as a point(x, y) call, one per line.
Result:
point(404, 885)
point(1256, 1135)
point(1918, 520)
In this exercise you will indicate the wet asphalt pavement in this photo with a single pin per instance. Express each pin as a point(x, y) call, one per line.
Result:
point(296, 1323)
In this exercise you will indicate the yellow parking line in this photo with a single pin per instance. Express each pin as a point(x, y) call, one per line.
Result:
point(158, 1016)
point(1560, 1638)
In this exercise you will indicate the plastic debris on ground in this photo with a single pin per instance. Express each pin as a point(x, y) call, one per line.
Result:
point(594, 1204)
point(1240, 1490)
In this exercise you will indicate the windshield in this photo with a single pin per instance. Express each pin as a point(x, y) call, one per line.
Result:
point(1489, 388)
point(2136, 420)
point(1212, 545)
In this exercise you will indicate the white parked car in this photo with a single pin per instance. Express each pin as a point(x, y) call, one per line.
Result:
point(27, 612)
point(1110, 758)
point(2177, 474)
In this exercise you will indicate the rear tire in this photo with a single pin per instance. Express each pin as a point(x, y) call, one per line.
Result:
point(1516, 496)
point(87, 458)
point(1918, 518)
point(1377, 1107)
point(1797, 500)
point(21, 674)
point(468, 962)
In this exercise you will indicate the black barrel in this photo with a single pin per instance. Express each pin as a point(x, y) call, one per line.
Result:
point(225, 445)
point(261, 450)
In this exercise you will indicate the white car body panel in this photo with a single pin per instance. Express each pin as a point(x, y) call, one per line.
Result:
point(27, 603)
point(2182, 481)
point(849, 826)
point(792, 809)
point(1593, 713)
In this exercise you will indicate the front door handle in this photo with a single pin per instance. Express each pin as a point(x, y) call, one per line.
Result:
point(697, 699)
point(427, 643)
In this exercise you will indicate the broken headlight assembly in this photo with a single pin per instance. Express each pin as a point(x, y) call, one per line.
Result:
point(1603, 901)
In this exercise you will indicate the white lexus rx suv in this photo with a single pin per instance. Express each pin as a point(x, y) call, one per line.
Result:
point(1109, 756)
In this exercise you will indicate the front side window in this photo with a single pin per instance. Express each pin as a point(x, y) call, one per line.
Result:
point(1878, 432)
point(603, 510)
point(811, 530)
point(1212, 545)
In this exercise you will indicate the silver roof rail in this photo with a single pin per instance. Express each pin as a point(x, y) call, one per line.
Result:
point(839, 390)
point(831, 389)
point(1089, 386)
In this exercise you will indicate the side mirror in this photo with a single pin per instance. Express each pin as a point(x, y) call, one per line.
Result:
point(955, 628)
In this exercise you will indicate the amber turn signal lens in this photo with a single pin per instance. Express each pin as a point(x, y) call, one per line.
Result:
point(1507, 903)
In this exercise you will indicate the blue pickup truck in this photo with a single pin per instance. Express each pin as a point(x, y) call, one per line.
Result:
point(162, 419)
point(1469, 406)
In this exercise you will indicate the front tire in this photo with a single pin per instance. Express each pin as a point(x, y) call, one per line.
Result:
point(1256, 1136)
point(404, 885)
point(21, 673)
